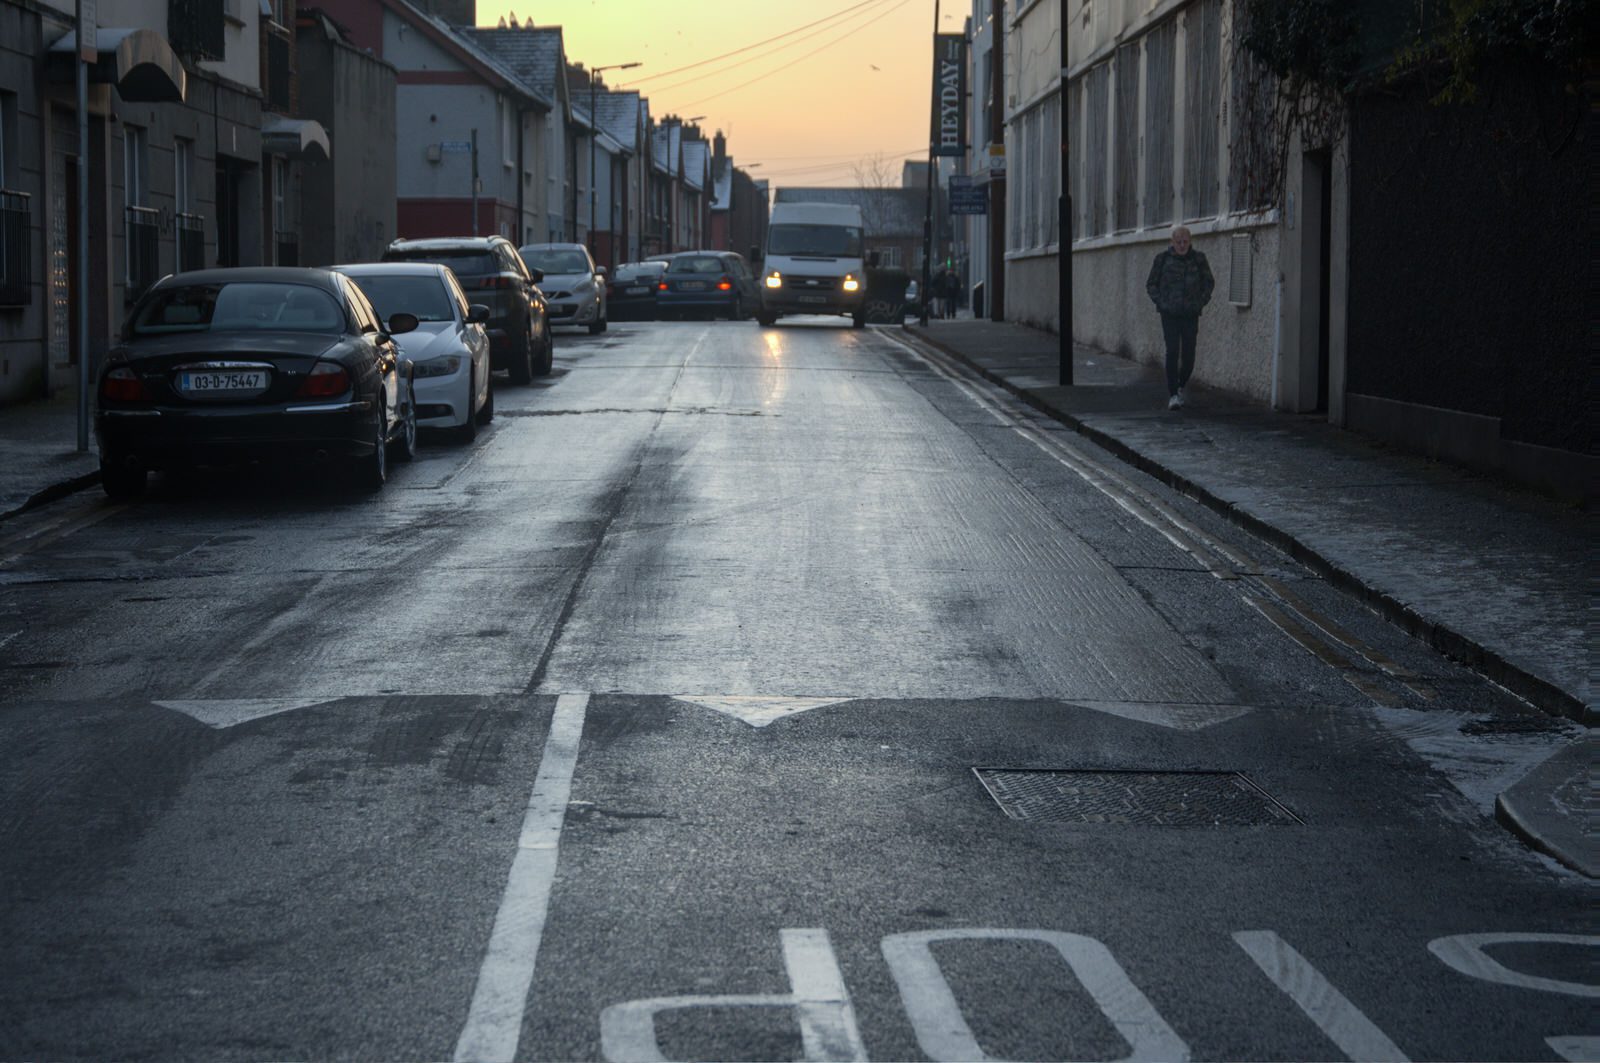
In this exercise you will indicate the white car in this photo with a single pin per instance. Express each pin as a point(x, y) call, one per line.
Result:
point(574, 287)
point(449, 349)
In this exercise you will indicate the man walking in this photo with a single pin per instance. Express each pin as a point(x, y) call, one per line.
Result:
point(1180, 285)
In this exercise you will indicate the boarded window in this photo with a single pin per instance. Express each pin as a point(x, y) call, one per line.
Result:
point(1160, 49)
point(1202, 115)
point(1126, 196)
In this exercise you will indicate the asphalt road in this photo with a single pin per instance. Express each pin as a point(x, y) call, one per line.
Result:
point(747, 694)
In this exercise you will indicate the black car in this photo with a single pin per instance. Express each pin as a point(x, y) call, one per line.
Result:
point(631, 291)
point(222, 366)
point(491, 272)
point(707, 283)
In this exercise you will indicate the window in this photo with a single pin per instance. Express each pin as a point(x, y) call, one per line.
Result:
point(1203, 68)
point(1125, 198)
point(182, 174)
point(141, 229)
point(1250, 156)
point(8, 122)
point(1160, 49)
point(1097, 127)
point(189, 227)
point(133, 165)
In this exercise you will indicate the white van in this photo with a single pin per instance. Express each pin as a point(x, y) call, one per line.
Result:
point(814, 263)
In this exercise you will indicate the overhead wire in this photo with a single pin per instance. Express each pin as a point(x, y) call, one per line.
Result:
point(739, 51)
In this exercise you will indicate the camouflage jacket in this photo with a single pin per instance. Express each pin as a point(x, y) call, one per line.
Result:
point(1180, 284)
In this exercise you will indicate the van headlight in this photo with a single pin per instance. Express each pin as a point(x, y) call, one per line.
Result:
point(850, 283)
point(774, 279)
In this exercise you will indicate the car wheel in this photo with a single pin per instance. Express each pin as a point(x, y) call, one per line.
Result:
point(373, 469)
point(736, 311)
point(547, 361)
point(522, 359)
point(766, 320)
point(468, 429)
point(122, 482)
point(486, 414)
point(405, 444)
point(859, 319)
point(597, 326)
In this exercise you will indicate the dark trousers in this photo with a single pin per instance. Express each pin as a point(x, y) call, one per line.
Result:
point(1180, 331)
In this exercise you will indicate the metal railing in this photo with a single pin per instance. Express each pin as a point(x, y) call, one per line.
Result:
point(16, 249)
point(191, 239)
point(142, 235)
point(288, 248)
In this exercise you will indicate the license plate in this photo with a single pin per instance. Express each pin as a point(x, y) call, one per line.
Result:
point(811, 298)
point(636, 291)
point(691, 286)
point(222, 382)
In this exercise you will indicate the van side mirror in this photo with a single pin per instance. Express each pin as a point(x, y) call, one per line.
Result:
point(872, 259)
point(755, 254)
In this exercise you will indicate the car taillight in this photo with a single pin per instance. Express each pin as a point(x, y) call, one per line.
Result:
point(724, 285)
point(325, 381)
point(123, 385)
point(499, 280)
point(661, 287)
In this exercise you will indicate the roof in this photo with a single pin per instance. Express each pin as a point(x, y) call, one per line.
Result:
point(619, 116)
point(320, 278)
point(389, 269)
point(533, 54)
point(696, 156)
point(884, 211)
point(446, 243)
point(460, 41)
point(721, 183)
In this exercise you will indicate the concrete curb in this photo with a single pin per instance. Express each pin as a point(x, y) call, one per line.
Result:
point(53, 493)
point(1551, 808)
point(1457, 645)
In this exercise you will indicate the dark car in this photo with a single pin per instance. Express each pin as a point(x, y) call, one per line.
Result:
point(707, 283)
point(255, 364)
point(492, 273)
point(631, 291)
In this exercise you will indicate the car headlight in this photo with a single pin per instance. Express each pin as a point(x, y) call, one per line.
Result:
point(439, 366)
point(850, 283)
point(774, 279)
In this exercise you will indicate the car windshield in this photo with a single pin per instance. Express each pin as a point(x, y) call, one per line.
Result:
point(697, 264)
point(556, 260)
point(829, 241)
point(467, 264)
point(393, 294)
point(238, 307)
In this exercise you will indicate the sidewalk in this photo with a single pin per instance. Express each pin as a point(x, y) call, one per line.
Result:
point(1495, 577)
point(39, 458)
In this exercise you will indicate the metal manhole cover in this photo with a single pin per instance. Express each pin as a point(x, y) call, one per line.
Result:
point(1136, 798)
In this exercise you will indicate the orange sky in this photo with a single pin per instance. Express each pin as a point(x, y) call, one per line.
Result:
point(809, 124)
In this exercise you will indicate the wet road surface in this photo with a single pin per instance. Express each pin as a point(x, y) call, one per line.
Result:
point(755, 694)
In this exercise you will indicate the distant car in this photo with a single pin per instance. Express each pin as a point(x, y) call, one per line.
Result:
point(631, 291)
point(224, 366)
point(492, 273)
point(707, 283)
point(573, 285)
point(449, 350)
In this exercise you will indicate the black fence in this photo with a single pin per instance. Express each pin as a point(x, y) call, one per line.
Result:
point(16, 249)
point(191, 242)
point(288, 248)
point(197, 28)
point(143, 235)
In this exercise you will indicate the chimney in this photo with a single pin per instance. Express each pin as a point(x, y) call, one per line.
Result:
point(719, 146)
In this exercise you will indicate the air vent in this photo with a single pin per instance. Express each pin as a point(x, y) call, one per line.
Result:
point(1134, 798)
point(1239, 269)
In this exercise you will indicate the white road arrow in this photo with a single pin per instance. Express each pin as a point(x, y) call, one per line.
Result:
point(757, 710)
point(1178, 716)
point(225, 713)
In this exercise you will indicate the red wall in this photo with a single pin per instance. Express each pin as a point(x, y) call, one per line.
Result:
point(416, 218)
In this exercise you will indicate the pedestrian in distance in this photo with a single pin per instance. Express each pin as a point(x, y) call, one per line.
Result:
point(1180, 285)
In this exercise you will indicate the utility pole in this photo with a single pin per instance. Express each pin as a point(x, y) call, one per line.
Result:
point(997, 180)
point(925, 293)
point(474, 182)
point(1064, 218)
point(594, 135)
point(87, 34)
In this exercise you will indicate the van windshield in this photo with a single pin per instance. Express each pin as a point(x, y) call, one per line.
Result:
point(831, 241)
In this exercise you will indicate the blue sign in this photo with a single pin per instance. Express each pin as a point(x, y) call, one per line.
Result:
point(455, 146)
point(967, 197)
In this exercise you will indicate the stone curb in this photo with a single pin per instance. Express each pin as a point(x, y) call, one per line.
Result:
point(1535, 689)
point(1550, 809)
point(53, 493)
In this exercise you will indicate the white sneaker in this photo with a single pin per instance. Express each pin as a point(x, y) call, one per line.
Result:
point(1174, 402)
point(1183, 396)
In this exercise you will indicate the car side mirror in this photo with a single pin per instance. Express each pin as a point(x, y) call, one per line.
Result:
point(599, 271)
point(536, 275)
point(401, 323)
point(477, 314)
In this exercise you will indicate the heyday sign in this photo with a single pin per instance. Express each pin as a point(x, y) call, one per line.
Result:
point(949, 94)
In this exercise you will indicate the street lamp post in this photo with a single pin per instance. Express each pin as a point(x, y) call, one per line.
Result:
point(594, 131)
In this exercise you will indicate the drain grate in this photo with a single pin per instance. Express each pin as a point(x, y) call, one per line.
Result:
point(1135, 798)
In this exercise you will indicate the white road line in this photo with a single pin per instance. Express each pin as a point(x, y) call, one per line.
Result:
point(1324, 1005)
point(494, 1022)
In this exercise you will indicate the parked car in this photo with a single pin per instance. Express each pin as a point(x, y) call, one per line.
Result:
point(224, 366)
point(631, 291)
point(708, 283)
point(573, 285)
point(492, 273)
point(449, 350)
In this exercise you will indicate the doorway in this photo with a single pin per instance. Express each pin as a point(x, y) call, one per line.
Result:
point(1316, 249)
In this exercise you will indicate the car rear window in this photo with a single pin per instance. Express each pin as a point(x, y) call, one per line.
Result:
point(467, 264)
point(697, 264)
point(424, 296)
point(630, 270)
point(238, 307)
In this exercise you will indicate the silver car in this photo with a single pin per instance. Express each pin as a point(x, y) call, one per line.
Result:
point(449, 348)
point(574, 287)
